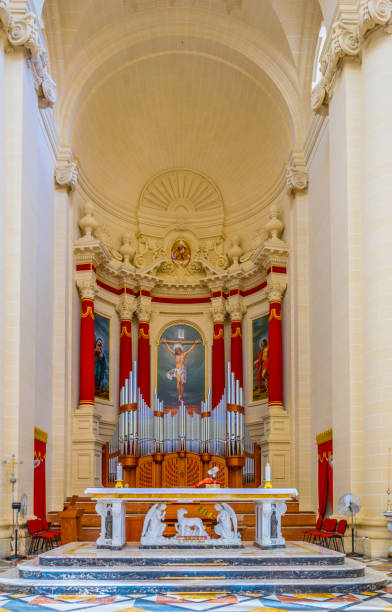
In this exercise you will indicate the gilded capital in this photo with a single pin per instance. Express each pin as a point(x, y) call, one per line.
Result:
point(144, 308)
point(275, 289)
point(218, 309)
point(86, 283)
point(126, 306)
point(235, 307)
point(66, 175)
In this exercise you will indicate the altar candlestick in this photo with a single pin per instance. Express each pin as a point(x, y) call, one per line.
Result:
point(119, 472)
point(389, 467)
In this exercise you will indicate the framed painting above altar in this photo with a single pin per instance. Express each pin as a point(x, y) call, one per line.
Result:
point(181, 367)
point(260, 360)
point(102, 356)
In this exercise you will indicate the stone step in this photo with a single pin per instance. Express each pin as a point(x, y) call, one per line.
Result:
point(297, 553)
point(191, 571)
point(372, 580)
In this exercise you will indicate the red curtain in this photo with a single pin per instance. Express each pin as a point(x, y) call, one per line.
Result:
point(325, 481)
point(40, 439)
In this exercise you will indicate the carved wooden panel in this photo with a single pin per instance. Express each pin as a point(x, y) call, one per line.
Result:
point(144, 472)
point(193, 470)
point(170, 472)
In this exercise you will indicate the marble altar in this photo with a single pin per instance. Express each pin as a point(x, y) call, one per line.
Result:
point(269, 505)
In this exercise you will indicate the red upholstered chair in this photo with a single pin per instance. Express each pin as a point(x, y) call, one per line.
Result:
point(34, 527)
point(55, 532)
point(308, 533)
point(338, 535)
point(328, 532)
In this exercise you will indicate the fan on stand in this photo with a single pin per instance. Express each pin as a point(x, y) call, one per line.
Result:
point(349, 504)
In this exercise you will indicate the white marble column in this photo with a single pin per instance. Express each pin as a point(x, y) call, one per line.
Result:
point(376, 207)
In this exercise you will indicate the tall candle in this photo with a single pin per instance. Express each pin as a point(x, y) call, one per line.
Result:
point(389, 467)
point(119, 472)
point(268, 472)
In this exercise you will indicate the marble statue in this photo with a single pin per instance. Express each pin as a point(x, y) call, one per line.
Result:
point(187, 526)
point(109, 525)
point(227, 526)
point(153, 526)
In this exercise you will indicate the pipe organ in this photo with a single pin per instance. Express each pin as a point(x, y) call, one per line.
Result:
point(147, 438)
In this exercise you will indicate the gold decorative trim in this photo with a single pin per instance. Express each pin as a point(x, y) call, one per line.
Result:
point(192, 496)
point(324, 436)
point(40, 435)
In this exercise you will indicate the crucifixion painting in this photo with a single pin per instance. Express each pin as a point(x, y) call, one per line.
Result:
point(181, 346)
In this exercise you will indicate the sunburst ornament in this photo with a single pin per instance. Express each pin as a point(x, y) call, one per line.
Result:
point(180, 198)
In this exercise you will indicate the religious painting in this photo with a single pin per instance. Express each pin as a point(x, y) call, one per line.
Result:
point(260, 350)
point(180, 253)
point(102, 356)
point(181, 367)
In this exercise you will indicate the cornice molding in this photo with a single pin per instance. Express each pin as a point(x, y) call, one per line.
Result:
point(348, 33)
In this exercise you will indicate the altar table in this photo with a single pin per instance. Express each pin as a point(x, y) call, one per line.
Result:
point(269, 505)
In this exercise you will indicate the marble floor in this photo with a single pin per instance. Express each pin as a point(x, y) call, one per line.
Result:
point(219, 601)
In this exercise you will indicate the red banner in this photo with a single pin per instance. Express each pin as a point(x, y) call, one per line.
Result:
point(325, 475)
point(39, 476)
point(87, 351)
point(144, 364)
point(218, 364)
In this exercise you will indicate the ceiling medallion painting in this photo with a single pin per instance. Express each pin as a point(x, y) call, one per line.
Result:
point(180, 253)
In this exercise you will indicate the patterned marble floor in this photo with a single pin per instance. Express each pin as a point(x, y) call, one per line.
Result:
point(205, 602)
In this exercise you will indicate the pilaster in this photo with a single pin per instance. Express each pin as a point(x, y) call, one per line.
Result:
point(65, 181)
point(297, 187)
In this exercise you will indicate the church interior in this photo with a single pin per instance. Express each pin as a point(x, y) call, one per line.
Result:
point(196, 270)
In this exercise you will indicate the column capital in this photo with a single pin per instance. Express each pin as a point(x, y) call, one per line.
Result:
point(86, 283)
point(144, 308)
point(297, 177)
point(218, 309)
point(373, 14)
point(23, 32)
point(4, 14)
point(126, 306)
point(276, 288)
point(66, 174)
point(343, 41)
point(235, 307)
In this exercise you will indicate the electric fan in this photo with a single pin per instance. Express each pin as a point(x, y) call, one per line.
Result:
point(349, 504)
point(20, 508)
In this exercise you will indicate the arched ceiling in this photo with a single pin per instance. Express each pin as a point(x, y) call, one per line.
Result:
point(214, 86)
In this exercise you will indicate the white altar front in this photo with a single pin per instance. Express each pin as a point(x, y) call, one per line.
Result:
point(269, 505)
